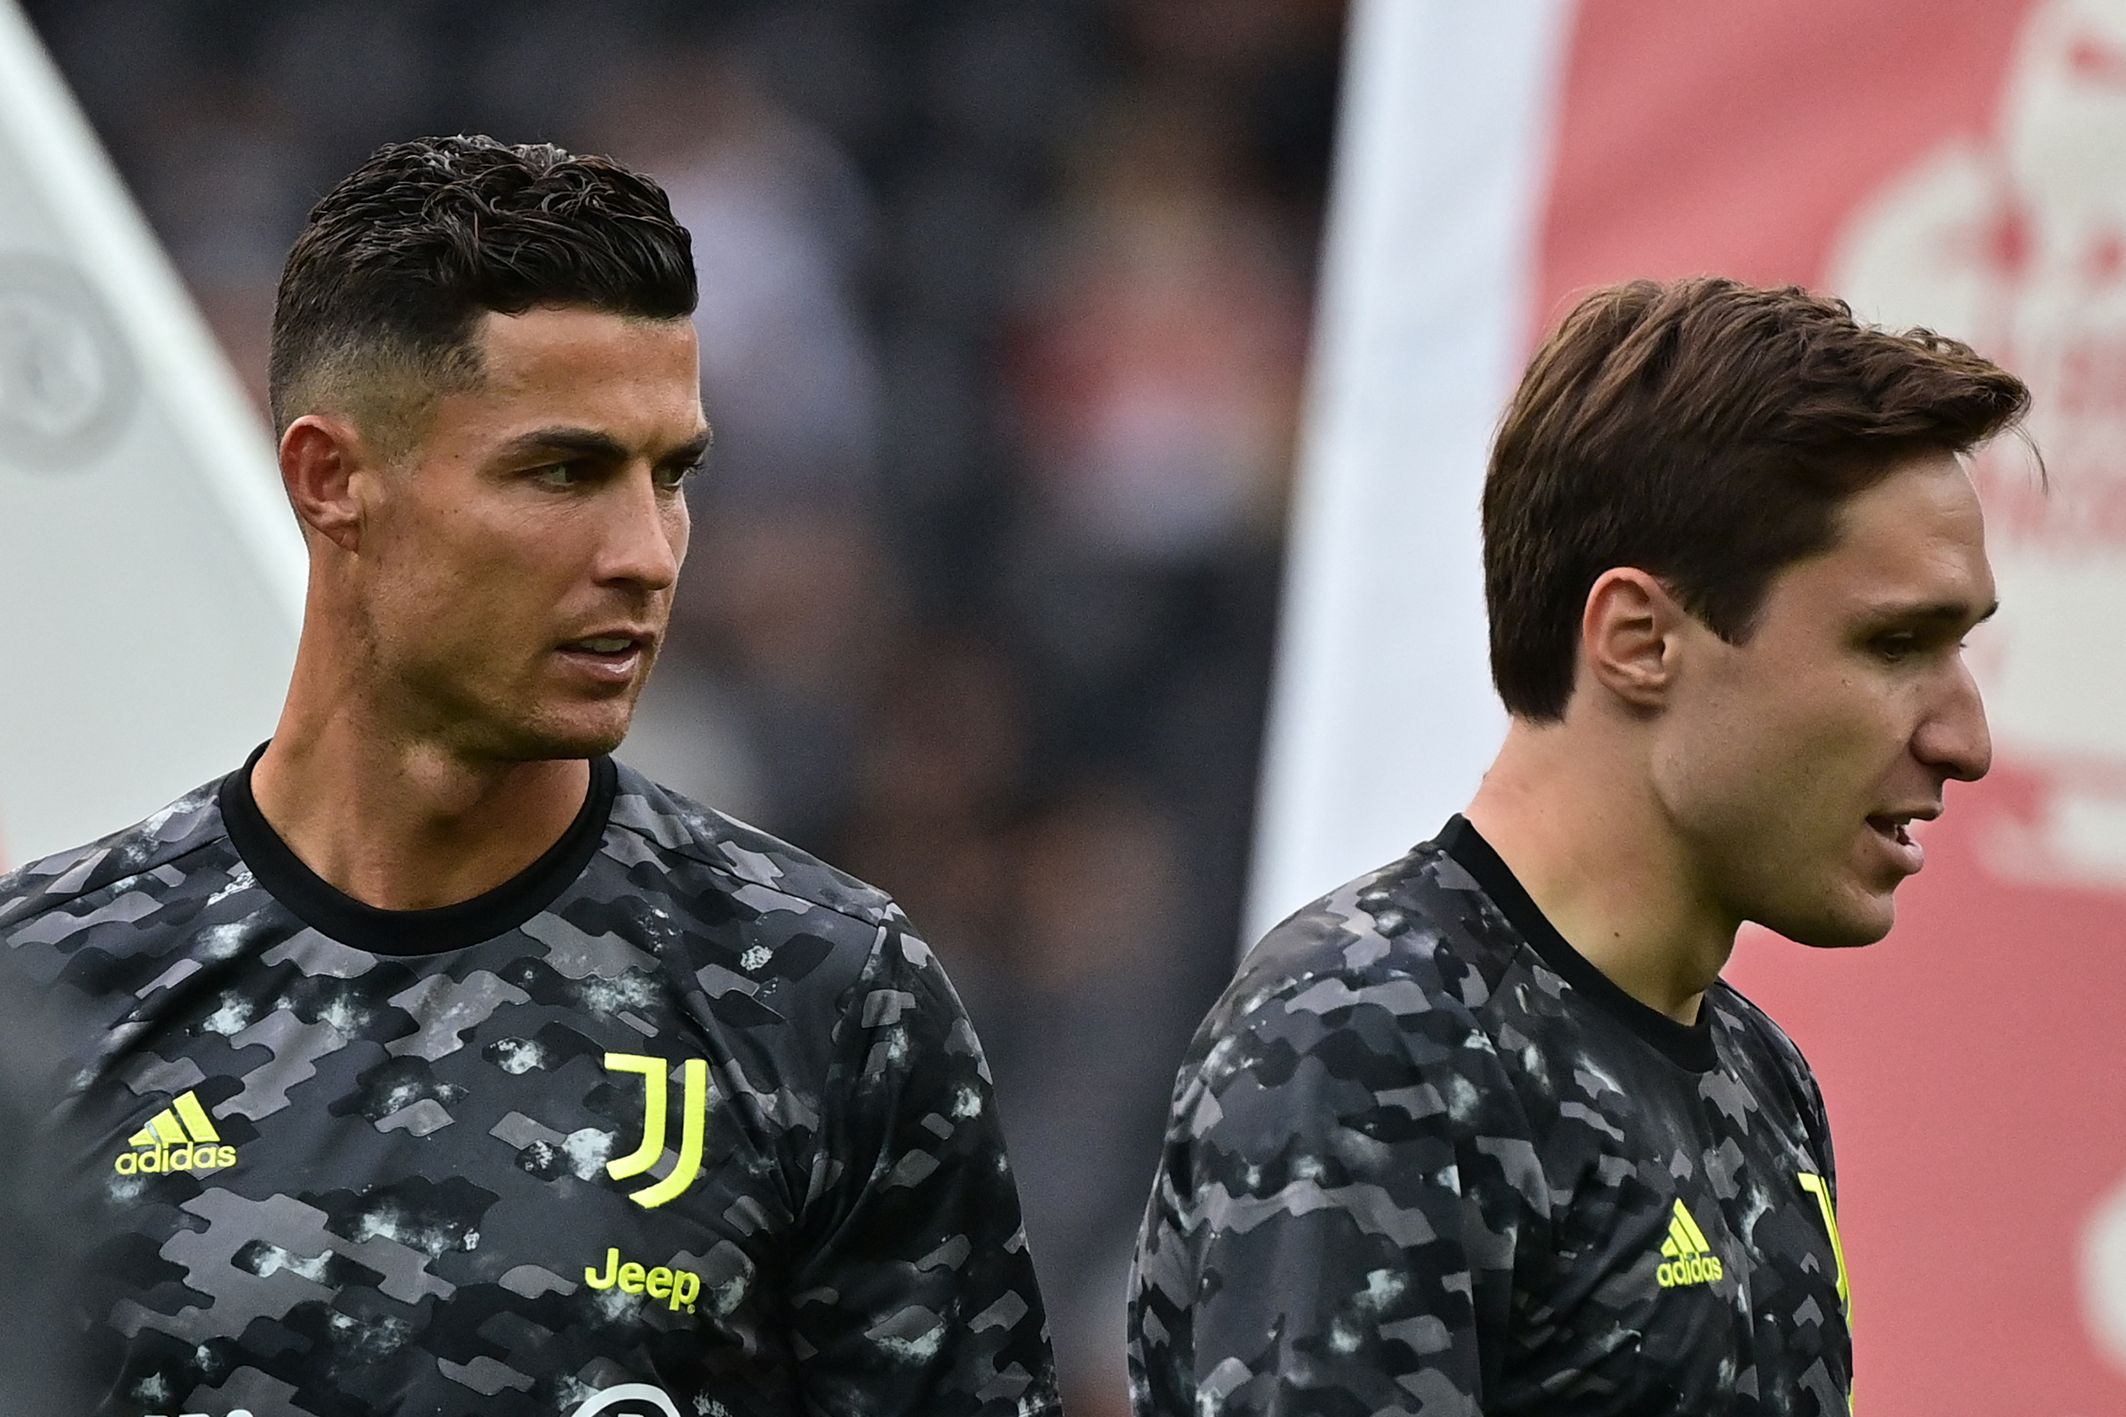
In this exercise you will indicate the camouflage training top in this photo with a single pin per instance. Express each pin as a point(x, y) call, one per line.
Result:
point(679, 1122)
point(1426, 1159)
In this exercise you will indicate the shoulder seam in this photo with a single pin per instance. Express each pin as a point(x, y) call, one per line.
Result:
point(1756, 1017)
point(724, 868)
point(1358, 974)
point(55, 902)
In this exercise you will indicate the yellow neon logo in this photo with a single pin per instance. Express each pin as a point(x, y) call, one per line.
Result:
point(1821, 1189)
point(181, 1137)
point(1687, 1253)
point(182, 1121)
point(677, 1288)
point(694, 1120)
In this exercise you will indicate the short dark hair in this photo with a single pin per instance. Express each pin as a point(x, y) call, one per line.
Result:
point(1706, 432)
point(401, 259)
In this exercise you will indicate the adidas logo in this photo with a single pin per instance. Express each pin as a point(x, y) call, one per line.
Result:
point(1687, 1258)
point(181, 1137)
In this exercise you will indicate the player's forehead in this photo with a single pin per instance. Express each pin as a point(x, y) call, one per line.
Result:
point(564, 343)
point(1913, 541)
point(634, 380)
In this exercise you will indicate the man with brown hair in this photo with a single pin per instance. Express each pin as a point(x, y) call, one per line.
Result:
point(1484, 1131)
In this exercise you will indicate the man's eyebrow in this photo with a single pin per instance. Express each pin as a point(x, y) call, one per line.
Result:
point(590, 443)
point(577, 442)
point(1949, 612)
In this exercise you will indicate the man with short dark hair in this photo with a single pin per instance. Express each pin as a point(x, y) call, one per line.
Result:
point(1483, 1131)
point(431, 1062)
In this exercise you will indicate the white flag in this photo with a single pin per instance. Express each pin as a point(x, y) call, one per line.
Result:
point(150, 573)
point(1383, 717)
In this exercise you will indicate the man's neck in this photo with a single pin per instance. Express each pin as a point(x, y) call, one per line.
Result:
point(1593, 853)
point(406, 824)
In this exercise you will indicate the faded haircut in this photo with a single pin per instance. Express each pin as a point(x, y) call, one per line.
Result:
point(381, 294)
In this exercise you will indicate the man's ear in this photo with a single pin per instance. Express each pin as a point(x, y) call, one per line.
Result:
point(319, 456)
point(1630, 634)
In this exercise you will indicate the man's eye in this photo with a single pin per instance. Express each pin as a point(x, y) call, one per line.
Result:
point(559, 474)
point(1893, 648)
point(672, 478)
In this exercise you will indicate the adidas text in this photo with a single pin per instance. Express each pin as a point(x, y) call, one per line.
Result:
point(1699, 1269)
point(181, 1137)
point(160, 1159)
point(1687, 1254)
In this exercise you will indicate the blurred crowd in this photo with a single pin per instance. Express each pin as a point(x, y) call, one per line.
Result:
point(1004, 307)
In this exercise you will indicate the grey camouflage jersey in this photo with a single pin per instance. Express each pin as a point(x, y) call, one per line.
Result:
point(1425, 1159)
point(680, 1121)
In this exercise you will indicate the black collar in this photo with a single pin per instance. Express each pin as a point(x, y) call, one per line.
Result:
point(1688, 1045)
point(330, 911)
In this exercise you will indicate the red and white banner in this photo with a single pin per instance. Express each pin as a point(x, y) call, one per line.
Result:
point(1961, 166)
point(151, 576)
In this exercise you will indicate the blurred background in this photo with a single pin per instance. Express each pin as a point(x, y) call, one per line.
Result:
point(1003, 315)
point(1017, 320)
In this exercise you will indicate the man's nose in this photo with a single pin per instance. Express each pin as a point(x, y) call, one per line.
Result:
point(1954, 738)
point(641, 536)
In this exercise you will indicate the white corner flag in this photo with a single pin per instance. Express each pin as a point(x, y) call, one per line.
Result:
point(151, 576)
point(1382, 717)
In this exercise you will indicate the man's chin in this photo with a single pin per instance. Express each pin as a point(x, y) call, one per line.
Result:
point(1847, 930)
point(543, 742)
point(586, 745)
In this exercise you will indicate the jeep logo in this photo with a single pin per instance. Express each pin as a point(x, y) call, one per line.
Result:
point(676, 1288)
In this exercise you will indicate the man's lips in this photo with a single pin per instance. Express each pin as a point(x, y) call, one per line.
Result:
point(609, 656)
point(1892, 828)
point(618, 639)
point(1894, 822)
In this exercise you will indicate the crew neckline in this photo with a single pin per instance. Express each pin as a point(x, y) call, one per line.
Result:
point(1688, 1045)
point(332, 912)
